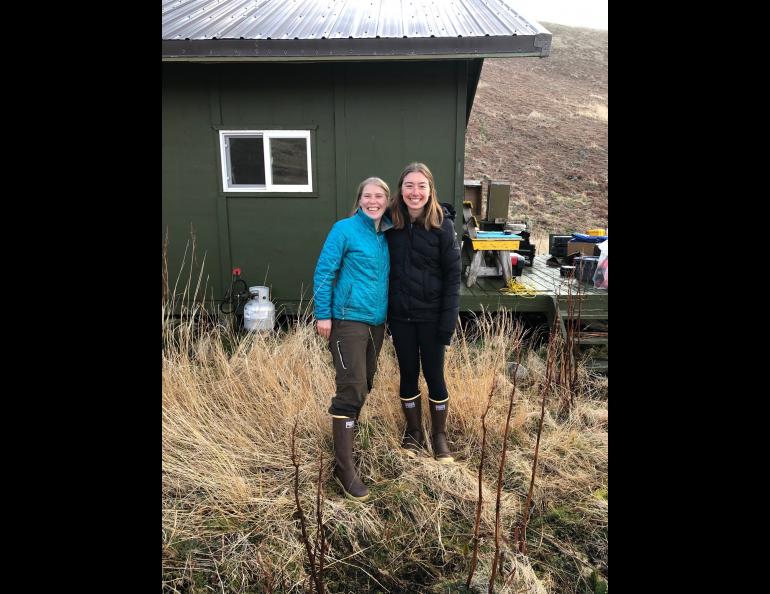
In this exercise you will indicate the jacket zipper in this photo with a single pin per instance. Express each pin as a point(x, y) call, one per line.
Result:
point(409, 267)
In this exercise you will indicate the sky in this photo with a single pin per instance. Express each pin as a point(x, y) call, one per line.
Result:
point(573, 13)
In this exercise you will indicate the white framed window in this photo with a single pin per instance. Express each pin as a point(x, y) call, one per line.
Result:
point(266, 160)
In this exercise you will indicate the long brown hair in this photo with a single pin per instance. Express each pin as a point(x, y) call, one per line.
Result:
point(432, 214)
point(369, 180)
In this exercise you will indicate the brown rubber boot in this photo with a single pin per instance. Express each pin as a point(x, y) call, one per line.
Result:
point(344, 469)
point(413, 441)
point(438, 413)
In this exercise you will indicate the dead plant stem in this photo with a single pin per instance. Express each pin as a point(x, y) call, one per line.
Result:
point(496, 557)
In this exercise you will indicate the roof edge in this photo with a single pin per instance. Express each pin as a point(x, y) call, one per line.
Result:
point(312, 50)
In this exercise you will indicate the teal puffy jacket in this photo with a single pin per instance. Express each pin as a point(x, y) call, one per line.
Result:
point(351, 276)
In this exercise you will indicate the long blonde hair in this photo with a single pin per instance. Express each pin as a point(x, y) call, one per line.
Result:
point(369, 180)
point(432, 214)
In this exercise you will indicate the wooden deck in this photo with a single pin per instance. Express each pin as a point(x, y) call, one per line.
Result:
point(548, 284)
point(485, 294)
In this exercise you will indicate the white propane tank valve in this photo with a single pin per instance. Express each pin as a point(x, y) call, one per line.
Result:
point(259, 311)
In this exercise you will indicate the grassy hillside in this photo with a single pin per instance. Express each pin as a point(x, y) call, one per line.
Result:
point(541, 125)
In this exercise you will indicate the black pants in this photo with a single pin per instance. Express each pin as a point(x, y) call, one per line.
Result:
point(416, 342)
point(355, 347)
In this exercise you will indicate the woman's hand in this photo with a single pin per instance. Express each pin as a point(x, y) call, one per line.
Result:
point(324, 328)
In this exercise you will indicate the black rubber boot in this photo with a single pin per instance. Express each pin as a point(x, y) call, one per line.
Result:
point(344, 469)
point(413, 441)
point(438, 413)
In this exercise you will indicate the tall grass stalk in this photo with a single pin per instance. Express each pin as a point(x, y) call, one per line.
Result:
point(479, 502)
point(501, 468)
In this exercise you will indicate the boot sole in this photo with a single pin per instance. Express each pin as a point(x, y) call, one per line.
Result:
point(350, 496)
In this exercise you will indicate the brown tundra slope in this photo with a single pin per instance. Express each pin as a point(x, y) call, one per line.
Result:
point(540, 124)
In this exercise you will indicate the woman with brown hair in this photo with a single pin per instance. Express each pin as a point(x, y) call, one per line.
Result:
point(423, 302)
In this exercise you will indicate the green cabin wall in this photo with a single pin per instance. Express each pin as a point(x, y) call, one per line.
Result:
point(365, 119)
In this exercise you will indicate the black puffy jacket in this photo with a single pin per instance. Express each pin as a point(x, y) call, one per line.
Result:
point(425, 274)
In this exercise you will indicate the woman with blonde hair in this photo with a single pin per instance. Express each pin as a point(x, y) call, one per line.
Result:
point(423, 302)
point(350, 289)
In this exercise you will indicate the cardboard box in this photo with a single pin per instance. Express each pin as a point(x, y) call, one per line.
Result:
point(584, 247)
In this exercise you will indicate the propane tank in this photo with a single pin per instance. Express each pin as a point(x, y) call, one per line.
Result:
point(259, 311)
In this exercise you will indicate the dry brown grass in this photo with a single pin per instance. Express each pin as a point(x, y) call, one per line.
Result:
point(229, 517)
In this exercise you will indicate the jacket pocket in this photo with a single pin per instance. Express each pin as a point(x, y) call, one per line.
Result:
point(431, 286)
point(342, 298)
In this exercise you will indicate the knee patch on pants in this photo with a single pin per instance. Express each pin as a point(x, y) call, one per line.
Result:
point(349, 399)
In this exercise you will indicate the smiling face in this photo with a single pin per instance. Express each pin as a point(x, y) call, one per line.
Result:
point(373, 202)
point(415, 191)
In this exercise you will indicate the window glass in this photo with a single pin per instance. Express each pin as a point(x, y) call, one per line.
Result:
point(289, 161)
point(247, 161)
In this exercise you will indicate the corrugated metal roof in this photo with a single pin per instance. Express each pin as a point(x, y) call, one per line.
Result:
point(322, 29)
